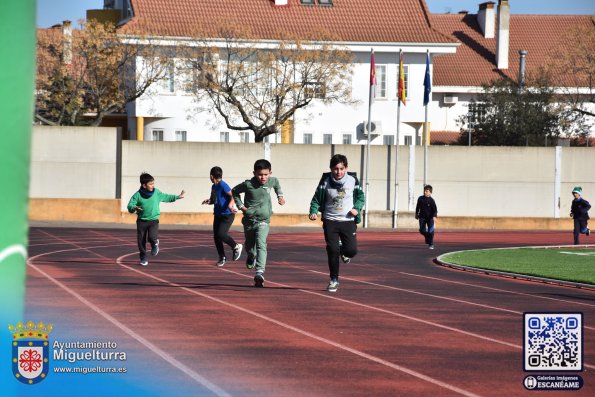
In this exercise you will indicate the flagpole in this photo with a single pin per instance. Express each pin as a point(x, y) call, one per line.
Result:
point(427, 93)
point(399, 93)
point(367, 166)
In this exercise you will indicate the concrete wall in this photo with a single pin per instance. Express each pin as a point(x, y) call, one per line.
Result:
point(473, 186)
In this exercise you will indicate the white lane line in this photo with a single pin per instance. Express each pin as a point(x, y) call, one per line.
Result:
point(500, 290)
point(18, 249)
point(303, 332)
point(167, 357)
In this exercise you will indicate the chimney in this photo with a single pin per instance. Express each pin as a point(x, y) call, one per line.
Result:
point(502, 34)
point(67, 36)
point(486, 19)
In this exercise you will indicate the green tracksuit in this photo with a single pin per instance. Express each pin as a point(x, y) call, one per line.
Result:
point(257, 200)
point(150, 205)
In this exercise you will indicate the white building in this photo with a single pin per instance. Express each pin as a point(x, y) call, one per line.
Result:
point(467, 50)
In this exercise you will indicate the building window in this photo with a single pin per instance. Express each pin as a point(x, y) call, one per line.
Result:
point(388, 140)
point(307, 139)
point(346, 139)
point(244, 137)
point(406, 78)
point(224, 136)
point(327, 3)
point(380, 81)
point(181, 136)
point(307, 2)
point(327, 139)
point(168, 82)
point(408, 140)
point(314, 90)
point(157, 135)
point(477, 114)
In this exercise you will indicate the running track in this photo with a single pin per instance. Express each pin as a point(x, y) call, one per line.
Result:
point(399, 325)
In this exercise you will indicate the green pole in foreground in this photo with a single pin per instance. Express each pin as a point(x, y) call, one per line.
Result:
point(17, 77)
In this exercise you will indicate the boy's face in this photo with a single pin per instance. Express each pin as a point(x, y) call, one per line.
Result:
point(427, 193)
point(262, 176)
point(150, 186)
point(338, 171)
point(576, 195)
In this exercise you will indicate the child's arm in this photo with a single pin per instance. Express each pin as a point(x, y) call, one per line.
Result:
point(211, 199)
point(133, 204)
point(235, 194)
point(279, 192)
point(232, 203)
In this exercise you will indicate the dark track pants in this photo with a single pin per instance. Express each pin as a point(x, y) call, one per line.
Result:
point(221, 225)
point(146, 230)
point(426, 228)
point(340, 238)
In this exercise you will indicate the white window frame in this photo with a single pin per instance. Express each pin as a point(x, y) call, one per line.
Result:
point(347, 139)
point(224, 136)
point(181, 135)
point(381, 85)
point(327, 139)
point(157, 134)
point(307, 138)
point(388, 140)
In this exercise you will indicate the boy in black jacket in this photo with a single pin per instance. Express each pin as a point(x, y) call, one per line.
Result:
point(427, 212)
point(579, 211)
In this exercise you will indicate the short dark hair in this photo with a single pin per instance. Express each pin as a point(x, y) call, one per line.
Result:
point(145, 178)
point(428, 187)
point(217, 172)
point(262, 164)
point(337, 159)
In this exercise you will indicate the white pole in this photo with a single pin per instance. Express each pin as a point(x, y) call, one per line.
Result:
point(367, 164)
point(557, 180)
point(411, 177)
point(396, 200)
point(426, 148)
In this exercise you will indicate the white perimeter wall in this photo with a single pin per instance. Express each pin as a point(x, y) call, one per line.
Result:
point(71, 162)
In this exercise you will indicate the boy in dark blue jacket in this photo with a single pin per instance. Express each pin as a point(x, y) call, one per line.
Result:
point(579, 211)
point(427, 212)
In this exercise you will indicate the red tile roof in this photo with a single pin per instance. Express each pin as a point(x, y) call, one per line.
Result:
point(444, 137)
point(475, 63)
point(382, 21)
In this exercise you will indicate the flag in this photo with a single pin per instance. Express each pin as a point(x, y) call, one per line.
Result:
point(427, 81)
point(372, 78)
point(402, 93)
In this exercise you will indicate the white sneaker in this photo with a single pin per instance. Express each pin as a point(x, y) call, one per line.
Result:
point(333, 286)
point(345, 259)
point(431, 246)
point(144, 263)
point(155, 248)
point(237, 251)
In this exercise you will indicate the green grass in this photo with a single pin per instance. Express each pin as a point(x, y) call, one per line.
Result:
point(567, 264)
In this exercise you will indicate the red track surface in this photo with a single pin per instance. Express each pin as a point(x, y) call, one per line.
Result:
point(398, 326)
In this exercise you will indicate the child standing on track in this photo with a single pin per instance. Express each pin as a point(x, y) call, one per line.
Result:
point(257, 209)
point(339, 198)
point(145, 202)
point(579, 211)
point(224, 209)
point(427, 212)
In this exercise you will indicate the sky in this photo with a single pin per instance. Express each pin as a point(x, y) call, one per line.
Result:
point(52, 12)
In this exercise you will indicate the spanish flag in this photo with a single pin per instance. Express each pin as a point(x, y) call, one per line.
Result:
point(402, 92)
point(372, 78)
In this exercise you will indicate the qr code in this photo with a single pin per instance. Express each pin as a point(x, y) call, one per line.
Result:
point(553, 341)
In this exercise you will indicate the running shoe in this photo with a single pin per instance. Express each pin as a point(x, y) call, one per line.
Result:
point(155, 248)
point(259, 280)
point(333, 286)
point(237, 251)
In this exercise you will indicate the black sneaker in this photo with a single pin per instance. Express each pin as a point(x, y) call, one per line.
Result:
point(250, 261)
point(345, 259)
point(259, 280)
point(155, 248)
point(221, 262)
point(237, 251)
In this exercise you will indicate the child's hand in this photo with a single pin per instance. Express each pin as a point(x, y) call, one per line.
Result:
point(353, 212)
point(181, 195)
point(571, 215)
point(233, 208)
point(206, 201)
point(313, 217)
point(281, 200)
point(138, 209)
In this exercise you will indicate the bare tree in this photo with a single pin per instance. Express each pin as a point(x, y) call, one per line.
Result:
point(91, 73)
point(572, 67)
point(258, 86)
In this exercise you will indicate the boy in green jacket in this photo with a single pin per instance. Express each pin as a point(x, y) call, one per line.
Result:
point(257, 209)
point(145, 202)
point(340, 199)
